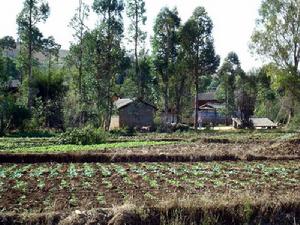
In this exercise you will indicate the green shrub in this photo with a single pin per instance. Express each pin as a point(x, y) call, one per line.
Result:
point(83, 136)
point(126, 131)
point(295, 123)
point(32, 134)
point(169, 128)
point(13, 116)
point(19, 115)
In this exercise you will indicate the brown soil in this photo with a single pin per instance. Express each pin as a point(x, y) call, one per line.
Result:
point(282, 148)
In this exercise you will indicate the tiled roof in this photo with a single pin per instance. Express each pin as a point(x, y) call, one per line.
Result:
point(207, 96)
point(212, 106)
point(120, 103)
point(262, 122)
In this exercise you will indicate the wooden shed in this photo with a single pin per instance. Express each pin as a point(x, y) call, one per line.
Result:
point(133, 113)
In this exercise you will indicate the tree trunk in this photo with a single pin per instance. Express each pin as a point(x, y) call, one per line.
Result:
point(291, 110)
point(178, 111)
point(109, 77)
point(2, 124)
point(47, 121)
point(30, 49)
point(49, 77)
point(166, 103)
point(179, 94)
point(109, 109)
point(137, 69)
point(196, 101)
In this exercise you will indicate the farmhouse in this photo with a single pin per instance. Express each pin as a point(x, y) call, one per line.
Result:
point(211, 113)
point(211, 109)
point(133, 113)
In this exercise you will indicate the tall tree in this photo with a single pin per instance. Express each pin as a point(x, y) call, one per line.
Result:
point(197, 40)
point(51, 51)
point(180, 85)
point(165, 43)
point(8, 65)
point(33, 12)
point(109, 35)
point(136, 13)
point(228, 74)
point(7, 43)
point(276, 38)
point(78, 23)
point(267, 98)
point(246, 88)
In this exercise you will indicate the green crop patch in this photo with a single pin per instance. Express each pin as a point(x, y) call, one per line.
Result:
point(52, 148)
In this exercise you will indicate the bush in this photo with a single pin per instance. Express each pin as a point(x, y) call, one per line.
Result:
point(181, 127)
point(32, 134)
point(83, 136)
point(19, 115)
point(169, 128)
point(127, 131)
point(13, 116)
point(295, 123)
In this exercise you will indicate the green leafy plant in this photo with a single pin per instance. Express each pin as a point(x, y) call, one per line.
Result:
point(101, 199)
point(88, 170)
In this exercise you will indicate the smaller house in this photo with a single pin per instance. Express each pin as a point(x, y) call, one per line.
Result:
point(258, 123)
point(133, 113)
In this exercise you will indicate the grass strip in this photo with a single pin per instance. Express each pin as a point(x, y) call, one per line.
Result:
point(79, 148)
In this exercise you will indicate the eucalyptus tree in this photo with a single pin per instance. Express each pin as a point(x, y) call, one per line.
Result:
point(7, 64)
point(277, 39)
point(136, 13)
point(180, 86)
point(51, 51)
point(7, 43)
point(109, 34)
point(228, 74)
point(78, 23)
point(33, 12)
point(246, 96)
point(165, 44)
point(197, 41)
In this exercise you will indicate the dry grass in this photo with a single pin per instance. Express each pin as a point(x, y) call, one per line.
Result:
point(242, 209)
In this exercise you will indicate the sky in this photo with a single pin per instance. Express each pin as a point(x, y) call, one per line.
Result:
point(234, 21)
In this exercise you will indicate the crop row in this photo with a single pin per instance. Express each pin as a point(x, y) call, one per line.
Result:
point(75, 185)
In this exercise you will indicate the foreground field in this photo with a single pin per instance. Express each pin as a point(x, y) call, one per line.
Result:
point(55, 187)
point(232, 177)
